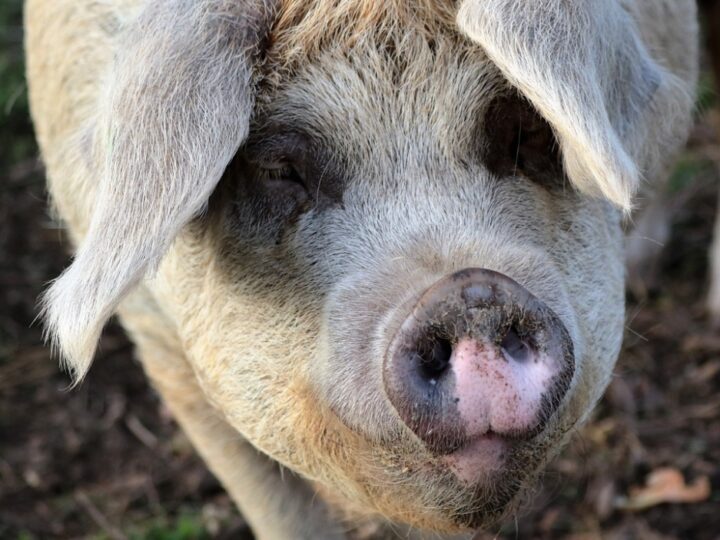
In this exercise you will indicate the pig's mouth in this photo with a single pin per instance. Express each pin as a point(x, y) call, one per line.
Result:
point(495, 474)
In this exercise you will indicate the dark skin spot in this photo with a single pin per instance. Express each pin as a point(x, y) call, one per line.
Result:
point(521, 143)
point(282, 154)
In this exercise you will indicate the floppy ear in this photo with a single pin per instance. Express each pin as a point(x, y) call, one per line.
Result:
point(582, 65)
point(177, 108)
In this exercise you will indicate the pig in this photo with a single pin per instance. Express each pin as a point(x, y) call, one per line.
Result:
point(649, 230)
point(370, 253)
point(711, 14)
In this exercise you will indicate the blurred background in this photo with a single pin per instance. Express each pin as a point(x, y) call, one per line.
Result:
point(107, 461)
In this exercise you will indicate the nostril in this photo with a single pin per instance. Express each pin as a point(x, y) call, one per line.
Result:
point(435, 357)
point(477, 358)
point(514, 348)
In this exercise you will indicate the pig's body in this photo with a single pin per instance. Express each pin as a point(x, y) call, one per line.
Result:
point(296, 320)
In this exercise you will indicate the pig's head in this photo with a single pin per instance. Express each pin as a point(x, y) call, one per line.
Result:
point(408, 282)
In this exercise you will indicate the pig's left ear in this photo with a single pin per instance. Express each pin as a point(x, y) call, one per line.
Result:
point(177, 107)
point(583, 66)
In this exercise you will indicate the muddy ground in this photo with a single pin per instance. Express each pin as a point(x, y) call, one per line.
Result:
point(107, 461)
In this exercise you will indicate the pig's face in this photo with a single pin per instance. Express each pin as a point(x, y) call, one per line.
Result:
point(408, 284)
point(324, 312)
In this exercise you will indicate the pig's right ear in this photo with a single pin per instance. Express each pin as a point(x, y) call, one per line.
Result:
point(177, 107)
point(583, 66)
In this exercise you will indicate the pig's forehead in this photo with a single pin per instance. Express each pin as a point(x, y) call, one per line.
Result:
point(371, 99)
point(304, 28)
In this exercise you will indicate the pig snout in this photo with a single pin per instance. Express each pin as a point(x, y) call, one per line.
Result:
point(478, 363)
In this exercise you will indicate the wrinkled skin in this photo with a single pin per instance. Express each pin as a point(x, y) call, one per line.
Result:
point(372, 169)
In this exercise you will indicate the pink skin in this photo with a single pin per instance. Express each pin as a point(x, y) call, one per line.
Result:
point(474, 462)
point(497, 395)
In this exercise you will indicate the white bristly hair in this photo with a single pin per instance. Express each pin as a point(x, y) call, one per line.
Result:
point(176, 109)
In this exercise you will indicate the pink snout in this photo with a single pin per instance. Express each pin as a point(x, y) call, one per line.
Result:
point(479, 362)
point(496, 391)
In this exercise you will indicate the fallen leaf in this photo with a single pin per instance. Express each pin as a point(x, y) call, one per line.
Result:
point(665, 485)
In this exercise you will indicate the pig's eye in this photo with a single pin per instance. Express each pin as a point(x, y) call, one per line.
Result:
point(293, 167)
point(521, 143)
point(281, 172)
point(282, 177)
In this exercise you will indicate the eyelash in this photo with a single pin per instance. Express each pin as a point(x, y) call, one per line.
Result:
point(276, 172)
point(281, 171)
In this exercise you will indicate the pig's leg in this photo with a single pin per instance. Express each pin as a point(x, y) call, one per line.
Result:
point(711, 15)
point(277, 505)
point(644, 244)
point(714, 295)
